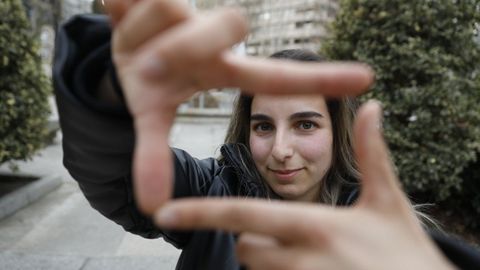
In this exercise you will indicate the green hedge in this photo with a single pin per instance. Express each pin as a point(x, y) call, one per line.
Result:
point(24, 88)
point(428, 79)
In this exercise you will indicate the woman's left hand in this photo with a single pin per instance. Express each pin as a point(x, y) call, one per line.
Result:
point(380, 231)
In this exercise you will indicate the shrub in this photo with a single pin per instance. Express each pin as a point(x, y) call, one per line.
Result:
point(427, 67)
point(24, 88)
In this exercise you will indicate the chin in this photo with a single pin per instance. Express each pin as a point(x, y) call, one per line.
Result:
point(288, 195)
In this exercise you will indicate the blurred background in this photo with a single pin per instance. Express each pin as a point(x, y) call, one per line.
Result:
point(426, 55)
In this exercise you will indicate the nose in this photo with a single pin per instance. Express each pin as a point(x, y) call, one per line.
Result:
point(282, 147)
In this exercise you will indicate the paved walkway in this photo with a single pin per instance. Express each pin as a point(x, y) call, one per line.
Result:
point(61, 231)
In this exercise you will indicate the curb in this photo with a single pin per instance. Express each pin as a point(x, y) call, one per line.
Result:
point(26, 195)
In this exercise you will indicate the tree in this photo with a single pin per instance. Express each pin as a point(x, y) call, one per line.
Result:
point(23, 86)
point(428, 79)
point(43, 12)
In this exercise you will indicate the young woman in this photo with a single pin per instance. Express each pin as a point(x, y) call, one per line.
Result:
point(288, 147)
point(299, 147)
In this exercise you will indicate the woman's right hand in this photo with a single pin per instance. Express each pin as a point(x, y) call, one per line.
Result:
point(164, 53)
point(160, 48)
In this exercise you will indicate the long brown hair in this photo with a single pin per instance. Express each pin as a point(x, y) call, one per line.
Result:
point(343, 176)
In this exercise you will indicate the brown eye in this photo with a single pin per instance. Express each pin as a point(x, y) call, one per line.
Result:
point(263, 127)
point(307, 125)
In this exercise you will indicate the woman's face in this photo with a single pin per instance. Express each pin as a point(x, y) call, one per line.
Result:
point(291, 142)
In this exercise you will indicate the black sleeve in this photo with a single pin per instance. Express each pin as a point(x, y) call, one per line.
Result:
point(458, 252)
point(98, 138)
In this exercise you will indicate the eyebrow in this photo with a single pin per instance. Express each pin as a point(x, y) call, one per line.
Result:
point(260, 117)
point(298, 115)
point(308, 114)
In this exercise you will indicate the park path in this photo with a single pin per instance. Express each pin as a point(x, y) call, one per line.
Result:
point(61, 231)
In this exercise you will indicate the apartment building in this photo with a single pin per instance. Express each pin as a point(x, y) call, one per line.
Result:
point(286, 24)
point(274, 25)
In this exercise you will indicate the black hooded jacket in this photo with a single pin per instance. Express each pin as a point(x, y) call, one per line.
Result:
point(98, 143)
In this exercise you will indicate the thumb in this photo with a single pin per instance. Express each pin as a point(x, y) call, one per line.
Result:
point(380, 186)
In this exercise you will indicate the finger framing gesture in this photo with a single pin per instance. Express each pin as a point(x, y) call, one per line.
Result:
point(164, 53)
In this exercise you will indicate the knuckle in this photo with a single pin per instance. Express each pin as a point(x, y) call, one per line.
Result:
point(169, 10)
point(236, 23)
point(156, 5)
point(236, 17)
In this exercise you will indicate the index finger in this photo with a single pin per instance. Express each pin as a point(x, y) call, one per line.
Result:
point(280, 76)
point(289, 222)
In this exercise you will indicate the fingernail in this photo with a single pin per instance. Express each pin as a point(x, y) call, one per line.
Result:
point(166, 217)
point(153, 68)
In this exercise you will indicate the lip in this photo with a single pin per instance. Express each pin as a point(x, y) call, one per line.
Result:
point(286, 175)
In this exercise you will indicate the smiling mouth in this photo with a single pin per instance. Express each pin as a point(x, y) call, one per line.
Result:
point(285, 171)
point(286, 175)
